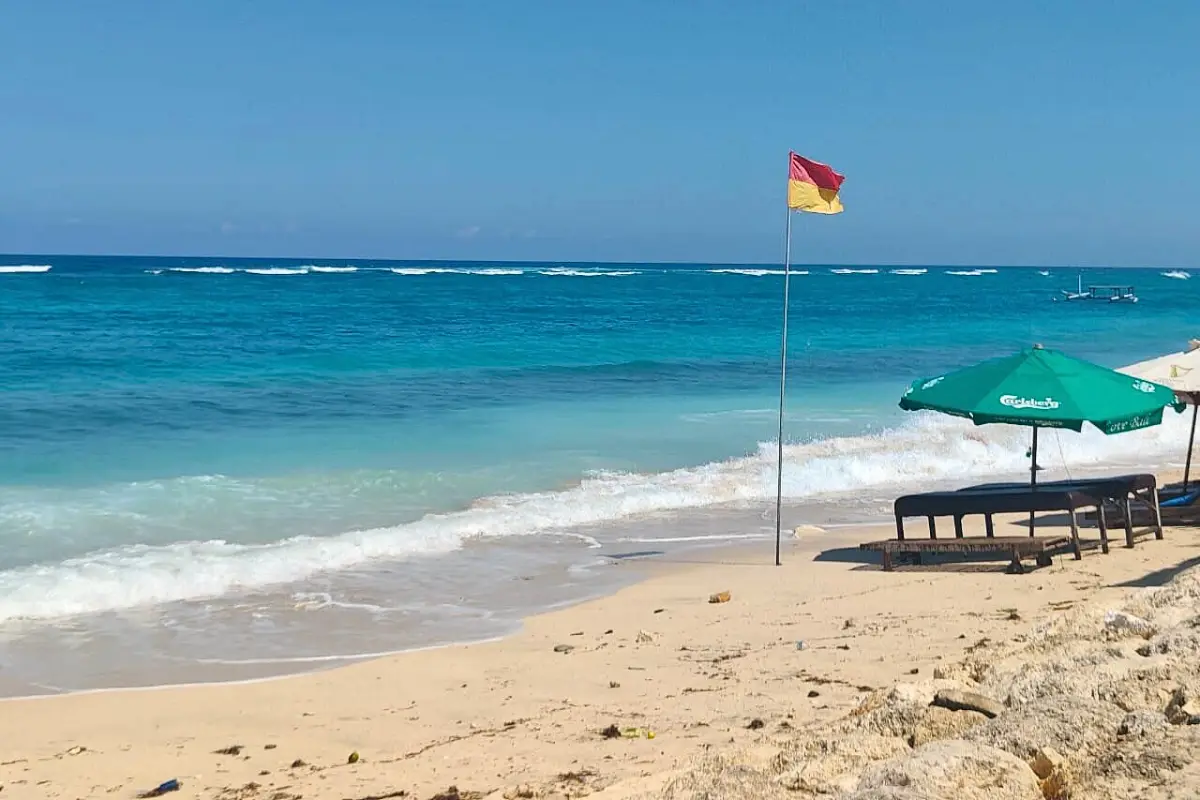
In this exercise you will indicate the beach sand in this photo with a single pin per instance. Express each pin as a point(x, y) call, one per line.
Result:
point(795, 653)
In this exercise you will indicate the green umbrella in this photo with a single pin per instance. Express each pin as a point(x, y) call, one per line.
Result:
point(1042, 388)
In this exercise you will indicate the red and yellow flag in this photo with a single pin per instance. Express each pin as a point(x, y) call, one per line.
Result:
point(813, 186)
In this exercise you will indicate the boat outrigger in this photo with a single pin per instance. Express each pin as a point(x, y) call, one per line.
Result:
point(1105, 294)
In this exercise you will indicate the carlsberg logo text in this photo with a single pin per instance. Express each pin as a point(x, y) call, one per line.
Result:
point(1012, 401)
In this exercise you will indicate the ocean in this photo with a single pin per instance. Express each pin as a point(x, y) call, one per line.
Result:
point(218, 469)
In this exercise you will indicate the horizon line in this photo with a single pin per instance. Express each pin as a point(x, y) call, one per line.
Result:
point(571, 262)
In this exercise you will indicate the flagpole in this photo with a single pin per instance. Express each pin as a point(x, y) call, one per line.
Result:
point(787, 275)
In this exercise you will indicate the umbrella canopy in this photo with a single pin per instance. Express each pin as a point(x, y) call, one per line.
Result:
point(1043, 389)
point(1178, 371)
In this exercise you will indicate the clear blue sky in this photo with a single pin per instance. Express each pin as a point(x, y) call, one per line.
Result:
point(972, 132)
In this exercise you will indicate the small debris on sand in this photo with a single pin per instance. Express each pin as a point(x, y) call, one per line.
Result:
point(968, 701)
point(453, 793)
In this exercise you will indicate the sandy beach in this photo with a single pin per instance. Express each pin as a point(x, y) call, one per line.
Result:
point(415, 400)
point(795, 653)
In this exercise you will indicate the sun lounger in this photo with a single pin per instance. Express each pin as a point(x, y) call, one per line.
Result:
point(1113, 486)
point(1180, 509)
point(1018, 547)
point(988, 502)
point(1120, 490)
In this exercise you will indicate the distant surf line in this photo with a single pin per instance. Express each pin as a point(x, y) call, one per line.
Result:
point(24, 269)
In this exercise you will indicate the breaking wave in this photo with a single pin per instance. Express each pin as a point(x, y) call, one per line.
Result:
point(564, 272)
point(926, 450)
point(24, 268)
point(203, 270)
point(757, 273)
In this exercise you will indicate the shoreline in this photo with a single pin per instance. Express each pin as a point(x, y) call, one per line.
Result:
point(662, 553)
point(489, 717)
point(649, 563)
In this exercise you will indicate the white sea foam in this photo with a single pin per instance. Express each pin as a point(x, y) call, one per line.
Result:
point(1043, 272)
point(421, 270)
point(204, 270)
point(989, 271)
point(724, 537)
point(565, 272)
point(925, 450)
point(317, 268)
point(24, 268)
point(909, 271)
point(756, 273)
point(277, 271)
point(1177, 274)
point(487, 271)
point(844, 271)
point(971, 273)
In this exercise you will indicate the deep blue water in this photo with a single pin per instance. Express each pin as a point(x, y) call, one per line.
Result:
point(186, 428)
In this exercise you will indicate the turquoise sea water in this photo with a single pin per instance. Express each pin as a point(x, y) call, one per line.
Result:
point(276, 461)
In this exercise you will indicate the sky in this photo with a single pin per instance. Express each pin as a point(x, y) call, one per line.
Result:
point(625, 130)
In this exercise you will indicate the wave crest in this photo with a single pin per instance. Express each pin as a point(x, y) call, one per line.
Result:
point(926, 450)
point(755, 273)
point(24, 268)
point(203, 270)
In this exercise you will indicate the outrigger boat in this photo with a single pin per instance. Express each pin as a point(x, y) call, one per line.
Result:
point(1106, 294)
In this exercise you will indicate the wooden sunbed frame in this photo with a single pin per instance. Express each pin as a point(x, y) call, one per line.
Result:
point(1019, 547)
point(988, 502)
point(1121, 491)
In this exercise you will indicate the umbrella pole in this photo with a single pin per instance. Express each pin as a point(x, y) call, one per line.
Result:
point(787, 273)
point(1187, 469)
point(1033, 473)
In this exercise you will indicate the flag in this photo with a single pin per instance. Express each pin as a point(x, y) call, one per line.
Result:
point(813, 186)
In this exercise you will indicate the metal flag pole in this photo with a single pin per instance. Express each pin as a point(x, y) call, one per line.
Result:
point(787, 275)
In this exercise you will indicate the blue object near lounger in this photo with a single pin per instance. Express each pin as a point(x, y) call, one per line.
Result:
point(1181, 500)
